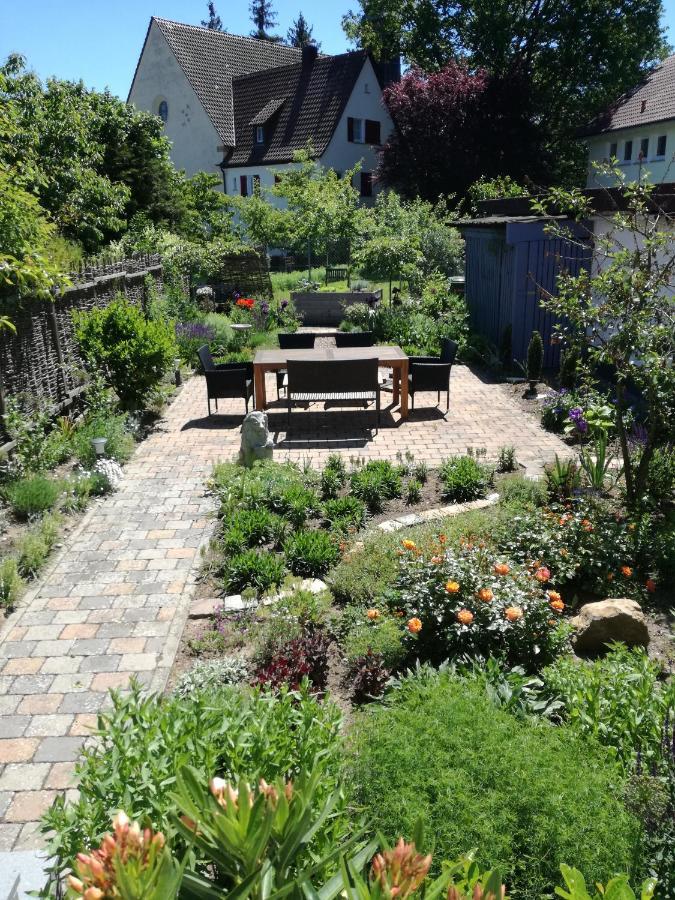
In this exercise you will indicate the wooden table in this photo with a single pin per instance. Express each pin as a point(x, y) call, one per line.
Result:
point(388, 357)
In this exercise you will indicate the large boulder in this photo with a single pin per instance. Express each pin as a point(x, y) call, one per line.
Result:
point(598, 624)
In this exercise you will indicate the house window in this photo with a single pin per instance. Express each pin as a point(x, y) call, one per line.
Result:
point(661, 145)
point(277, 179)
point(256, 185)
point(366, 184)
point(372, 132)
point(355, 131)
point(628, 151)
point(613, 150)
point(644, 148)
point(163, 111)
point(234, 183)
point(259, 134)
point(243, 185)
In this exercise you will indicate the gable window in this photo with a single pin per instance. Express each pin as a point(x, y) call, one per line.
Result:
point(661, 145)
point(163, 111)
point(628, 151)
point(644, 148)
point(613, 150)
point(366, 184)
point(372, 132)
point(355, 131)
point(243, 185)
point(259, 134)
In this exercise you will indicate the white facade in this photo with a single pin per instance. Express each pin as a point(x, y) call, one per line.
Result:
point(160, 79)
point(365, 102)
point(628, 146)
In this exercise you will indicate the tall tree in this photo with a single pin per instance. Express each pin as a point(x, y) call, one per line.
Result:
point(565, 61)
point(264, 18)
point(300, 33)
point(214, 22)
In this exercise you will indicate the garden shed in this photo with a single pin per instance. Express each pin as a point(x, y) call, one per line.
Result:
point(509, 261)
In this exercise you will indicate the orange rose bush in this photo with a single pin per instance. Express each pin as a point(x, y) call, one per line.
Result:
point(475, 602)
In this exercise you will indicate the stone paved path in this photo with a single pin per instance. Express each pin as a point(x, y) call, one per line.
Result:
point(114, 602)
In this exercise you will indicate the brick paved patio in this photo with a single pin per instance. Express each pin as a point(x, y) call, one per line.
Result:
point(114, 601)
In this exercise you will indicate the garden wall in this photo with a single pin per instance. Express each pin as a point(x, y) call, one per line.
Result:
point(323, 308)
point(42, 359)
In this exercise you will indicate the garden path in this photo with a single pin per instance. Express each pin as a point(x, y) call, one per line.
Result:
point(114, 601)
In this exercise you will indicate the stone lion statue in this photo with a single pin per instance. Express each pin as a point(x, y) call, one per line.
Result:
point(256, 441)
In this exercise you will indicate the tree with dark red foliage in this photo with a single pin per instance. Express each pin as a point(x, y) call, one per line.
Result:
point(453, 126)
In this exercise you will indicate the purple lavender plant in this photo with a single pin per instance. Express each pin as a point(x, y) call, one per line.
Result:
point(194, 331)
point(576, 415)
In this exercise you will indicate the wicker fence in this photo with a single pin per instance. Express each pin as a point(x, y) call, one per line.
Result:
point(41, 360)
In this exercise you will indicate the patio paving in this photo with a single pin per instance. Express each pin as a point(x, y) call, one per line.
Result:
point(114, 602)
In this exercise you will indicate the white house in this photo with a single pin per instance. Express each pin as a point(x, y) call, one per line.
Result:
point(245, 106)
point(639, 130)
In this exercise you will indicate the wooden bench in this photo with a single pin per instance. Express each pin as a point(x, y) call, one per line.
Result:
point(333, 380)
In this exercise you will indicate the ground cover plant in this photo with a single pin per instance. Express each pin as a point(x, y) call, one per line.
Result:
point(526, 796)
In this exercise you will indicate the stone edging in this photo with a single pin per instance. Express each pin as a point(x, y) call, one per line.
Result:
point(429, 515)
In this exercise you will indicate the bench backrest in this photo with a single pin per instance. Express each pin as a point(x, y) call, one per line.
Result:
point(332, 376)
point(296, 341)
point(354, 339)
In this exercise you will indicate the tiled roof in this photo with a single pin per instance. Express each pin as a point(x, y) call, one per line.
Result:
point(316, 93)
point(267, 111)
point(653, 100)
point(211, 59)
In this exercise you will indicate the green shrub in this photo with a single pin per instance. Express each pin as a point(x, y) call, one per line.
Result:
point(383, 635)
point(535, 357)
point(506, 461)
point(34, 547)
point(330, 484)
point(30, 496)
point(526, 796)
point(256, 526)
point(413, 492)
point(11, 584)
point(464, 479)
point(344, 513)
point(619, 699)
point(311, 553)
point(119, 442)
point(145, 740)
point(519, 491)
point(212, 675)
point(131, 352)
point(376, 482)
point(38, 446)
point(296, 502)
point(254, 569)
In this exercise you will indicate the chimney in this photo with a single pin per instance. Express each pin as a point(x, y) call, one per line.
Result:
point(309, 54)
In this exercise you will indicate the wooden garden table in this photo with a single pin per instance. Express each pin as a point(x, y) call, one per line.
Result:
point(388, 357)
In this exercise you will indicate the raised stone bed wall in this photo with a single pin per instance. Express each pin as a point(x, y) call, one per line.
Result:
point(324, 308)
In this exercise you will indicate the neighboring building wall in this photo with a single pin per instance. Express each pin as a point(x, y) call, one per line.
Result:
point(365, 103)
point(264, 173)
point(159, 78)
point(659, 168)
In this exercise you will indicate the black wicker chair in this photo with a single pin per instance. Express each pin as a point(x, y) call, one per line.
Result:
point(354, 339)
point(226, 380)
point(293, 340)
point(429, 373)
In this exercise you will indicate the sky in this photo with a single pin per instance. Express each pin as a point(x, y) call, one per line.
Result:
point(100, 42)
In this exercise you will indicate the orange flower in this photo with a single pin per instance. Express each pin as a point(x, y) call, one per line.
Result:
point(437, 560)
point(557, 605)
point(465, 617)
point(631, 527)
point(414, 626)
point(650, 584)
point(542, 574)
point(554, 595)
point(610, 576)
point(409, 545)
point(452, 587)
point(626, 571)
point(442, 538)
point(502, 569)
point(513, 613)
point(485, 594)
point(373, 614)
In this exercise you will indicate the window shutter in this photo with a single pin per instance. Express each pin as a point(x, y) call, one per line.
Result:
point(243, 185)
point(350, 129)
point(372, 132)
point(366, 184)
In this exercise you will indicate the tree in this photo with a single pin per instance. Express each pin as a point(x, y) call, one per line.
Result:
point(261, 223)
point(555, 64)
point(451, 128)
point(621, 313)
point(264, 18)
point(300, 33)
point(214, 22)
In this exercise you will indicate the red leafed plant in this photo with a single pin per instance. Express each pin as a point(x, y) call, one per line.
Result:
point(303, 657)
